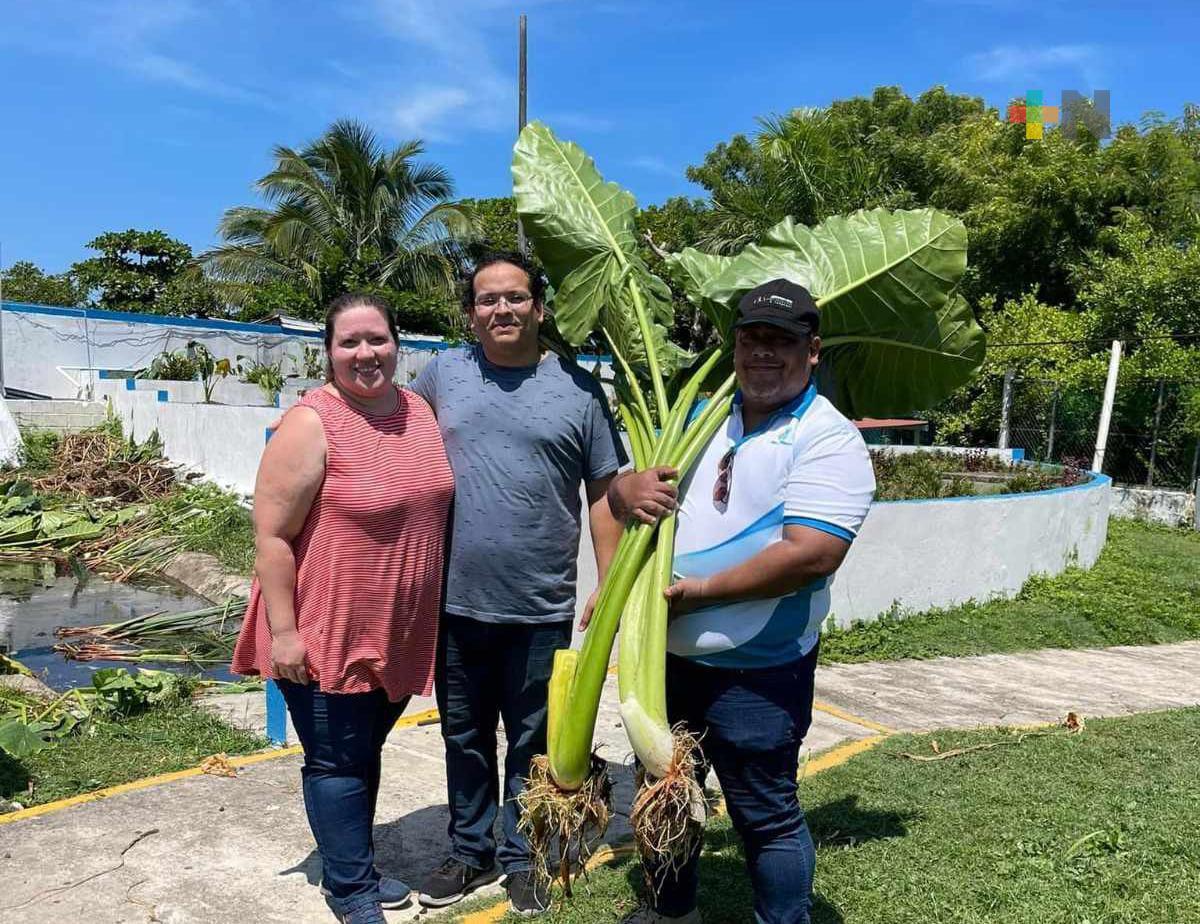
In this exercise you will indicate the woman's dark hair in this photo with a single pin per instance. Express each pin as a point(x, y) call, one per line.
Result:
point(354, 300)
point(537, 282)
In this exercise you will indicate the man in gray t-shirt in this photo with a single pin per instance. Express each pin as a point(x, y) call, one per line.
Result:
point(523, 430)
point(521, 441)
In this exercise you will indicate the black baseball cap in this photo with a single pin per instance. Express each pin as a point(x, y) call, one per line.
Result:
point(783, 303)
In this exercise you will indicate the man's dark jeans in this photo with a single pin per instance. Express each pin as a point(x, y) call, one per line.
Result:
point(342, 735)
point(488, 671)
point(753, 722)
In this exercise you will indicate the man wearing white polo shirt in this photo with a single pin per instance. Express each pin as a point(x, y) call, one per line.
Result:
point(765, 519)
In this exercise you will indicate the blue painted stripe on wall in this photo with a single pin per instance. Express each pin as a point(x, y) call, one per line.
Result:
point(130, 385)
point(162, 395)
point(1097, 480)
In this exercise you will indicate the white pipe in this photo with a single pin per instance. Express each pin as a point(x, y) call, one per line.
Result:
point(1110, 394)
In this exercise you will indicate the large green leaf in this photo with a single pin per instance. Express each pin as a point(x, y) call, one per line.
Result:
point(567, 209)
point(21, 740)
point(582, 228)
point(896, 336)
point(692, 268)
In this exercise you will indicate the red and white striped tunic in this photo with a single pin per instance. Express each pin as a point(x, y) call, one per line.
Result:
point(369, 557)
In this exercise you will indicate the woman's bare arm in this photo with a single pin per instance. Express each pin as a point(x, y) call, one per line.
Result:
point(289, 477)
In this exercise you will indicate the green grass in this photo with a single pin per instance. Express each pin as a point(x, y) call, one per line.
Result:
point(225, 531)
point(1078, 829)
point(161, 739)
point(1143, 590)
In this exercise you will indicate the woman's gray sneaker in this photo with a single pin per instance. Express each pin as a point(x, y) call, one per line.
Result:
point(452, 881)
point(393, 893)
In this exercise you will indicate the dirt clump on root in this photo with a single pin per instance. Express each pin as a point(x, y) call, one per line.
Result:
point(668, 813)
point(562, 827)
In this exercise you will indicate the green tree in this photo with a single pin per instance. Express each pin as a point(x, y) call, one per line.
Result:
point(25, 282)
point(345, 213)
point(134, 271)
point(496, 224)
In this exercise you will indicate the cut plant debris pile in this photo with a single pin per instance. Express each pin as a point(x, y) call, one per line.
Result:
point(200, 637)
point(98, 501)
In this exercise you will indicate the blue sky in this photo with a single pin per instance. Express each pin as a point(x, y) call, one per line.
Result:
point(162, 113)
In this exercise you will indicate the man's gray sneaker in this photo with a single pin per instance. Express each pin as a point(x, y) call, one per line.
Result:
point(393, 893)
point(452, 881)
point(527, 894)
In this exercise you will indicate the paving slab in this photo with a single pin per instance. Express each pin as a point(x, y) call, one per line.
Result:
point(1015, 689)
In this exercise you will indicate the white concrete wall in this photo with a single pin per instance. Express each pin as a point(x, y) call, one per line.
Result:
point(58, 351)
point(1154, 505)
point(224, 442)
point(59, 416)
point(915, 555)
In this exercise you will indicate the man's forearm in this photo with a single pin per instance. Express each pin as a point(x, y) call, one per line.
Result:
point(781, 568)
point(606, 534)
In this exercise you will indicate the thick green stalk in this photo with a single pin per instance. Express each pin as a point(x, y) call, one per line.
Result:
point(570, 748)
point(637, 439)
point(634, 387)
point(639, 309)
point(674, 423)
point(641, 669)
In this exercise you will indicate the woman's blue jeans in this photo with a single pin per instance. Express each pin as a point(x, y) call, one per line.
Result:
point(752, 723)
point(342, 735)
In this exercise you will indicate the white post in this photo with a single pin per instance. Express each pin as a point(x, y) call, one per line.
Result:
point(1110, 394)
point(1006, 400)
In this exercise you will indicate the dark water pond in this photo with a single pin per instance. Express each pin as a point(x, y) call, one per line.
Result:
point(35, 600)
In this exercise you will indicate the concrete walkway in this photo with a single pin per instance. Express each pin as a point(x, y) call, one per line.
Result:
point(233, 850)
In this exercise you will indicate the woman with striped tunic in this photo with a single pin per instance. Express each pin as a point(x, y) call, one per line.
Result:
point(350, 512)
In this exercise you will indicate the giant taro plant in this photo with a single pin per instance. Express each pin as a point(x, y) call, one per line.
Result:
point(895, 334)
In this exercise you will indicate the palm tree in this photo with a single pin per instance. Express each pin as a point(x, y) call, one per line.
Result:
point(807, 164)
point(346, 213)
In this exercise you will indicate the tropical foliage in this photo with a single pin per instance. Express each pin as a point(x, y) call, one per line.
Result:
point(344, 213)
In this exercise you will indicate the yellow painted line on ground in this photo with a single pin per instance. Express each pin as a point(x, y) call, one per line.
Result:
point(144, 783)
point(429, 716)
point(607, 854)
point(854, 719)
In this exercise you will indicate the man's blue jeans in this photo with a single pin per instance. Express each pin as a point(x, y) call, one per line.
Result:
point(752, 722)
point(487, 671)
point(342, 735)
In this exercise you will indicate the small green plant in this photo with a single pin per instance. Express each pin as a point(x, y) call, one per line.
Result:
point(267, 376)
point(210, 369)
point(312, 363)
point(171, 366)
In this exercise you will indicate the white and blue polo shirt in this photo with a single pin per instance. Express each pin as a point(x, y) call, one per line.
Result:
point(807, 465)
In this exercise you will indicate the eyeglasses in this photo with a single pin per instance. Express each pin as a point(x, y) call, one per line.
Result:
point(724, 479)
point(512, 299)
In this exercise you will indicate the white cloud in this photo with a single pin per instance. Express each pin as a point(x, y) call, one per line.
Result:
point(125, 35)
point(1012, 62)
point(453, 39)
point(652, 164)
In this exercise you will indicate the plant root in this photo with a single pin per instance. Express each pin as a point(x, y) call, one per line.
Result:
point(668, 814)
point(569, 822)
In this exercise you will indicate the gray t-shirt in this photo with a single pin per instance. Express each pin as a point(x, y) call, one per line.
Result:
point(520, 442)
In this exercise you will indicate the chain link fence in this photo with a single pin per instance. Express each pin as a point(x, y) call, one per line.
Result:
point(1151, 441)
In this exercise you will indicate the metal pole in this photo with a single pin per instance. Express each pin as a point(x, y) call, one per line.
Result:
point(522, 244)
point(1050, 435)
point(1006, 398)
point(1110, 394)
point(1196, 462)
point(1154, 437)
